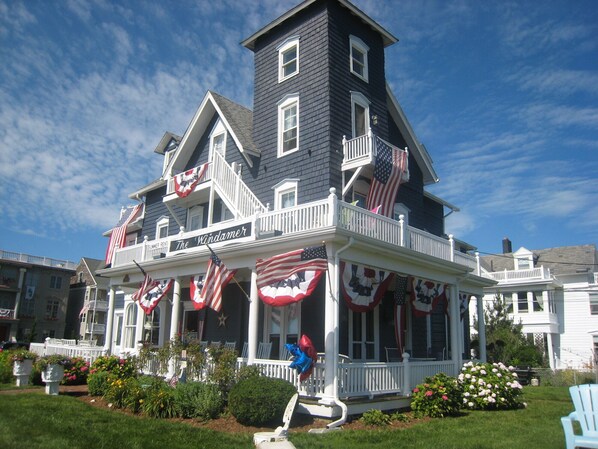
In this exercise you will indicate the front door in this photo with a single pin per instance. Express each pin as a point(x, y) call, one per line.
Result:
point(363, 335)
point(117, 332)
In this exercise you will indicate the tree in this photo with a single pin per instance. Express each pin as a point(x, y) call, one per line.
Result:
point(505, 342)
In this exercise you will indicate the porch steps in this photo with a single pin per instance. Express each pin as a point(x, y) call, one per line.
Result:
point(355, 406)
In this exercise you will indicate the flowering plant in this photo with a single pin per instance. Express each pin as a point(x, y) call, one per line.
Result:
point(76, 373)
point(117, 367)
point(22, 354)
point(54, 359)
point(490, 386)
point(439, 396)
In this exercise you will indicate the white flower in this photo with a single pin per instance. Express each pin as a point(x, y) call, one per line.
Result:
point(466, 394)
point(468, 376)
point(483, 372)
point(470, 404)
point(461, 377)
point(471, 387)
point(494, 370)
point(499, 375)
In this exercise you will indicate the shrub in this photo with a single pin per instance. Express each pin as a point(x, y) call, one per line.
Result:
point(198, 400)
point(257, 401)
point(223, 373)
point(439, 396)
point(54, 359)
point(120, 368)
point(6, 376)
point(76, 373)
point(97, 383)
point(375, 417)
point(490, 386)
point(159, 400)
point(116, 392)
point(400, 417)
point(134, 395)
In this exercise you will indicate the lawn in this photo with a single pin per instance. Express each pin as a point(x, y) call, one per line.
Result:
point(34, 420)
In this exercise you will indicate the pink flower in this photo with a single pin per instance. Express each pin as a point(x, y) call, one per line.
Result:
point(416, 390)
point(429, 393)
point(444, 397)
point(84, 368)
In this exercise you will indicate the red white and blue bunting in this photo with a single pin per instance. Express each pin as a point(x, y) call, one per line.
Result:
point(425, 294)
point(184, 183)
point(149, 299)
point(463, 303)
point(400, 311)
point(294, 289)
point(363, 287)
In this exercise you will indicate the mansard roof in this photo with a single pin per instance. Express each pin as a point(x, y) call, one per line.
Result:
point(387, 38)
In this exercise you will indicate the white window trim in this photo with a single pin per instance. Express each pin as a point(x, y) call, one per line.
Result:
point(192, 212)
point(401, 209)
point(355, 42)
point(524, 259)
point(286, 102)
point(361, 100)
point(162, 222)
point(285, 186)
point(282, 48)
point(219, 129)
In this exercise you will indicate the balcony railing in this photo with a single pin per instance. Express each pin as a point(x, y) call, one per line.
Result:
point(37, 260)
point(7, 314)
point(311, 217)
point(95, 328)
point(511, 276)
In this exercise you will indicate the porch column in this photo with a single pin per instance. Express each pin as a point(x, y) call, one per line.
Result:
point(550, 351)
point(174, 321)
point(139, 326)
point(331, 332)
point(254, 316)
point(108, 340)
point(455, 319)
point(19, 291)
point(481, 328)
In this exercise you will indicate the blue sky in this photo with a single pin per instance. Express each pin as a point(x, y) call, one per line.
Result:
point(502, 93)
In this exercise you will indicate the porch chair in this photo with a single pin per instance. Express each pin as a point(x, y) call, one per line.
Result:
point(263, 350)
point(393, 355)
point(244, 351)
point(232, 345)
point(215, 344)
point(585, 402)
point(267, 439)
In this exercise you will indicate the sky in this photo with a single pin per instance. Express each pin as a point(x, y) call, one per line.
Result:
point(503, 94)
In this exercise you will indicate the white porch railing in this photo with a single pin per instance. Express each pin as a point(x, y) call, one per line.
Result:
point(538, 273)
point(37, 260)
point(88, 353)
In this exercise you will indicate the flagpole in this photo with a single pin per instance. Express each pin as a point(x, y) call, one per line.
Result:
point(139, 266)
point(234, 279)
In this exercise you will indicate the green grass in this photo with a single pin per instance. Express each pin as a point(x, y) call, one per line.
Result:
point(34, 420)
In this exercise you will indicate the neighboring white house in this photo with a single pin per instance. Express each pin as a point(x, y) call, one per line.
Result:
point(553, 293)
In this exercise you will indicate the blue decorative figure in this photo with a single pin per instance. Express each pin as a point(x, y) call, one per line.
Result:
point(301, 361)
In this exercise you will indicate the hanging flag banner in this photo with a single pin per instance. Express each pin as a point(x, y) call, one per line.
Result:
point(400, 309)
point(425, 294)
point(463, 303)
point(363, 287)
point(283, 266)
point(207, 291)
point(184, 183)
point(293, 289)
point(154, 292)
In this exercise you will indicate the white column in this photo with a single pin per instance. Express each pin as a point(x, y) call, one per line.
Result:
point(139, 325)
point(254, 316)
point(108, 337)
point(19, 291)
point(331, 332)
point(455, 320)
point(550, 349)
point(481, 328)
point(176, 308)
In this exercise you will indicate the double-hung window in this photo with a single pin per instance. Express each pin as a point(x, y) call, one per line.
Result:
point(162, 228)
point(288, 58)
point(360, 114)
point(359, 57)
point(218, 140)
point(285, 194)
point(288, 125)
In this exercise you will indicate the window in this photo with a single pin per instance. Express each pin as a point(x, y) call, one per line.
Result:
point(288, 58)
point(360, 114)
point(130, 325)
point(162, 228)
point(52, 308)
point(524, 259)
point(55, 282)
point(594, 304)
point(151, 327)
point(522, 305)
point(218, 140)
point(538, 301)
point(194, 218)
point(283, 327)
point(285, 194)
point(359, 57)
point(288, 125)
point(401, 209)
point(169, 154)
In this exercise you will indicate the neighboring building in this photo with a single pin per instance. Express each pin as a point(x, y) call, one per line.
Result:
point(88, 304)
point(553, 293)
point(34, 293)
point(293, 173)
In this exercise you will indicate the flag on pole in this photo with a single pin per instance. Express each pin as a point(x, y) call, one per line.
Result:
point(390, 164)
point(206, 291)
point(85, 309)
point(119, 232)
point(154, 291)
point(400, 308)
point(283, 266)
point(184, 183)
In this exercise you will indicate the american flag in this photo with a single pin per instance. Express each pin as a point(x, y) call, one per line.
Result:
point(146, 285)
point(209, 292)
point(391, 163)
point(119, 232)
point(400, 310)
point(283, 266)
point(152, 293)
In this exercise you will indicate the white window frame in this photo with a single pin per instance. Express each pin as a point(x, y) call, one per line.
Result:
point(284, 48)
point(284, 187)
point(162, 223)
point(218, 131)
point(129, 326)
point(524, 259)
point(357, 44)
point(286, 103)
point(284, 326)
point(357, 98)
point(401, 209)
point(192, 212)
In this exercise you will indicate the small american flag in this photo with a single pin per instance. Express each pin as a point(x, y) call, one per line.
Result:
point(209, 293)
point(283, 266)
point(119, 232)
point(391, 163)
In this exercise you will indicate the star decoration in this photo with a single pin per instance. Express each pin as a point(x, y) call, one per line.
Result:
point(222, 320)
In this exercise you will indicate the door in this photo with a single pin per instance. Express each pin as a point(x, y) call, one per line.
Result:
point(117, 332)
point(363, 335)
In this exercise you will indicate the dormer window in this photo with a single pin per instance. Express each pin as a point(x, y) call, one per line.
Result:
point(285, 194)
point(288, 125)
point(359, 57)
point(218, 140)
point(524, 259)
point(288, 59)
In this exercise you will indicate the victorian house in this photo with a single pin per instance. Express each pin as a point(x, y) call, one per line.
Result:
point(325, 161)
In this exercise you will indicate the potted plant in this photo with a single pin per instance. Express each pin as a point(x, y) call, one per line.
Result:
point(52, 370)
point(22, 365)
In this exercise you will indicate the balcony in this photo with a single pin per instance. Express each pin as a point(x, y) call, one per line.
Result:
point(98, 306)
point(95, 328)
point(521, 276)
point(324, 215)
point(36, 260)
point(7, 314)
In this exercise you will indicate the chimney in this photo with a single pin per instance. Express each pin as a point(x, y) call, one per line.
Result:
point(507, 247)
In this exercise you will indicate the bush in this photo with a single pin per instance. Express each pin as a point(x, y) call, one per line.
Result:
point(76, 373)
point(375, 417)
point(490, 386)
point(257, 401)
point(439, 396)
point(120, 368)
point(97, 383)
point(159, 400)
point(198, 400)
point(6, 376)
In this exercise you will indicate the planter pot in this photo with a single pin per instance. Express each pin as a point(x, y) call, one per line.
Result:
point(22, 371)
point(52, 376)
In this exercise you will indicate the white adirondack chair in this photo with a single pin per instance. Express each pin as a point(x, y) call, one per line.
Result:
point(585, 401)
point(280, 435)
